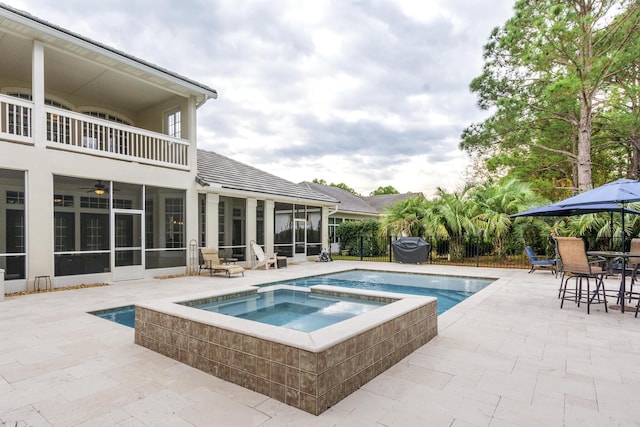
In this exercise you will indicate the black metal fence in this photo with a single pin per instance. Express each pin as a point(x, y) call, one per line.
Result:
point(467, 251)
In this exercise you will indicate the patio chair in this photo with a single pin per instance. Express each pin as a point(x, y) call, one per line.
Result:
point(540, 264)
point(576, 266)
point(263, 260)
point(211, 261)
point(634, 266)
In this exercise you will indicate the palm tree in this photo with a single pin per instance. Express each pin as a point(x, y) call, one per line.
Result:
point(404, 218)
point(449, 216)
point(494, 203)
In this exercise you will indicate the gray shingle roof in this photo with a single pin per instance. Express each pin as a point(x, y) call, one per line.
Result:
point(382, 201)
point(349, 202)
point(216, 169)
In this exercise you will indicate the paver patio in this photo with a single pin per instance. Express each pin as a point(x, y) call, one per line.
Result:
point(507, 356)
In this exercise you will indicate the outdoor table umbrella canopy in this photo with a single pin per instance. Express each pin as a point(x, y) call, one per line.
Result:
point(622, 191)
point(555, 209)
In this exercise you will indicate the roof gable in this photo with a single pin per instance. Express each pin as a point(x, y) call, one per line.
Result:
point(215, 169)
point(349, 202)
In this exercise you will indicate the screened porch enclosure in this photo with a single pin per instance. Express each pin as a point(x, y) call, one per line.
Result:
point(104, 226)
point(298, 230)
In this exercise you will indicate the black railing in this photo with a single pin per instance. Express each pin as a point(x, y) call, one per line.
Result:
point(469, 250)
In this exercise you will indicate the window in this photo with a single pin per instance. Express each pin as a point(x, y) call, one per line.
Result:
point(94, 232)
point(15, 197)
point(62, 200)
point(174, 124)
point(64, 224)
point(94, 202)
point(174, 214)
point(107, 116)
point(202, 203)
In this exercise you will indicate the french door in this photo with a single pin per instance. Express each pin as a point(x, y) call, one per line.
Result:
point(128, 243)
point(300, 240)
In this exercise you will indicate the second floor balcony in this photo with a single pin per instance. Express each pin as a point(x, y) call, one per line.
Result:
point(68, 130)
point(63, 91)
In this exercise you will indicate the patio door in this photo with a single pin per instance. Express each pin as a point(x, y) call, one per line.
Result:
point(127, 253)
point(300, 240)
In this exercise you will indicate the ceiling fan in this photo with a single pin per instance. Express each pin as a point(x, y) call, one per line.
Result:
point(99, 188)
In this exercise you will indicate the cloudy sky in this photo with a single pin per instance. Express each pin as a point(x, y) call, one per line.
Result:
point(369, 93)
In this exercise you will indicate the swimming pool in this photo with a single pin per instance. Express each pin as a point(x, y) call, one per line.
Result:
point(311, 371)
point(299, 310)
point(450, 290)
point(122, 315)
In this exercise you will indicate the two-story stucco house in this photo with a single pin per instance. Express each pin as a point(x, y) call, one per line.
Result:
point(99, 177)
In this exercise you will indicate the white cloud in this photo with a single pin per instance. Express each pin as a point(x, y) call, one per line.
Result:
point(369, 93)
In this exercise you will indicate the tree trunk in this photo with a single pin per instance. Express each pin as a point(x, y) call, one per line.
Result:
point(584, 147)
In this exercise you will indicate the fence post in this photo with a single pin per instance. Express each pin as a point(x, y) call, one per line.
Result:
point(361, 247)
point(477, 251)
point(390, 254)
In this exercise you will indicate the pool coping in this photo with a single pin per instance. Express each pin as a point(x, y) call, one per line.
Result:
point(315, 341)
point(311, 371)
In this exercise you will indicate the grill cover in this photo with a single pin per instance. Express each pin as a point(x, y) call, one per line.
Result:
point(411, 250)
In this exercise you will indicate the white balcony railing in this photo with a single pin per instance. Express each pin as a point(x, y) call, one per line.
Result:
point(77, 132)
point(15, 119)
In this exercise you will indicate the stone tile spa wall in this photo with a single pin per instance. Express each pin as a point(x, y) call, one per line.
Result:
point(309, 379)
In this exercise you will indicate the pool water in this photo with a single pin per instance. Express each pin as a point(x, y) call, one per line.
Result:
point(122, 315)
point(299, 310)
point(450, 290)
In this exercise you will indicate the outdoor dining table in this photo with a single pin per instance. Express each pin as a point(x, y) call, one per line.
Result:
point(610, 256)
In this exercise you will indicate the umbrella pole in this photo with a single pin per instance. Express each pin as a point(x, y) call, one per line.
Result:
point(624, 266)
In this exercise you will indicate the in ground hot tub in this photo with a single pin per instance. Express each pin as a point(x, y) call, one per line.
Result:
point(308, 370)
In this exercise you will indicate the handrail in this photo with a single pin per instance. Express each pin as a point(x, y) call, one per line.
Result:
point(71, 131)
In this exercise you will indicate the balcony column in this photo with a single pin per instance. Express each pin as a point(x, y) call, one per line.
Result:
point(212, 202)
point(324, 227)
point(269, 226)
point(192, 135)
point(39, 119)
point(252, 219)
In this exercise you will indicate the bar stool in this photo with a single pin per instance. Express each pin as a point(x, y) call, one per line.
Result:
point(47, 283)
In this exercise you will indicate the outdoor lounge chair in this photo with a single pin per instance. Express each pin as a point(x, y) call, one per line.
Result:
point(540, 264)
point(263, 260)
point(211, 262)
point(577, 266)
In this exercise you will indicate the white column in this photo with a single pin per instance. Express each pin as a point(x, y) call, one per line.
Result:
point(324, 235)
point(192, 127)
point(252, 219)
point(37, 95)
point(213, 201)
point(269, 226)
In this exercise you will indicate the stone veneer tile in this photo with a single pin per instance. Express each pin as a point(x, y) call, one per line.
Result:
point(263, 368)
point(293, 378)
point(292, 356)
point(308, 383)
point(278, 373)
point(308, 361)
point(300, 378)
point(263, 348)
point(263, 386)
point(249, 344)
point(292, 397)
point(309, 404)
point(250, 363)
point(279, 353)
point(278, 392)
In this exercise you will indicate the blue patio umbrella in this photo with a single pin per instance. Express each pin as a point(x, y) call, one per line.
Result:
point(622, 191)
point(555, 209)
